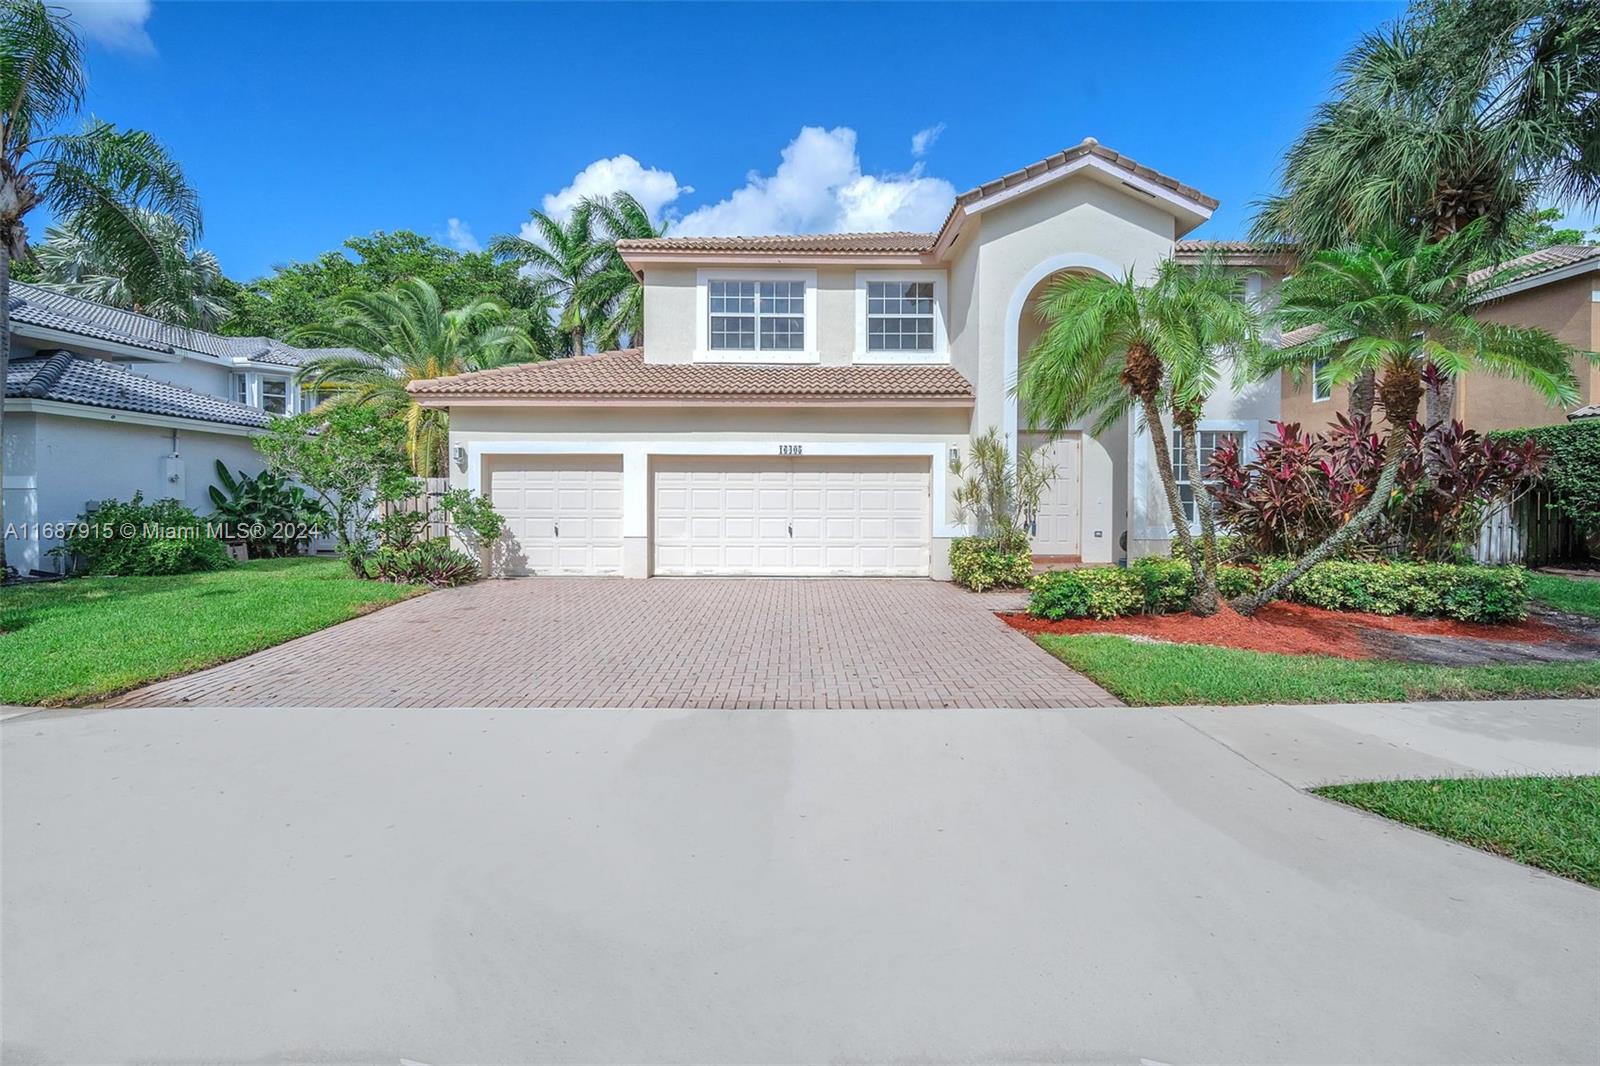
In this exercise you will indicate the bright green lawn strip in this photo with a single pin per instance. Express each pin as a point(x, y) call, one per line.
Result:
point(1549, 822)
point(87, 638)
point(1574, 595)
point(1158, 674)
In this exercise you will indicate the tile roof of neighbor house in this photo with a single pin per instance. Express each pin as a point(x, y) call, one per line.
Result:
point(38, 306)
point(908, 243)
point(1591, 410)
point(68, 378)
point(1542, 261)
point(625, 375)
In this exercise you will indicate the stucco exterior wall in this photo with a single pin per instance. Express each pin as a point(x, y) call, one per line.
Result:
point(57, 464)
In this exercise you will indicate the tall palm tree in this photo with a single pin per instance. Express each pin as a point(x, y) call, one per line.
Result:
point(405, 334)
point(75, 260)
point(1099, 358)
point(613, 295)
point(101, 175)
point(560, 260)
point(1388, 308)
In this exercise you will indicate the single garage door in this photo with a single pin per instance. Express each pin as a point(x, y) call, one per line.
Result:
point(564, 513)
point(791, 516)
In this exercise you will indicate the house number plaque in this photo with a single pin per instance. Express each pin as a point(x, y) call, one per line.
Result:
point(788, 449)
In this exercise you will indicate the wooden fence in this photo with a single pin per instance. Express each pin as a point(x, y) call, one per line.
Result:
point(1528, 530)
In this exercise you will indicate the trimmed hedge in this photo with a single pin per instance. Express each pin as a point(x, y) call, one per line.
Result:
point(1160, 586)
point(1571, 466)
point(978, 563)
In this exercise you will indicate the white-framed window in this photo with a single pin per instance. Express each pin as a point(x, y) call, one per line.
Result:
point(275, 396)
point(1184, 472)
point(239, 389)
point(900, 317)
point(757, 316)
point(1321, 389)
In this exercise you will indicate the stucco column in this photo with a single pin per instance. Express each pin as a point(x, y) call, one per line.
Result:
point(635, 512)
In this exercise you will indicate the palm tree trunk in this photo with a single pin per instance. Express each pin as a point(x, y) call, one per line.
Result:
point(577, 340)
point(1393, 451)
point(1169, 483)
point(1363, 391)
point(5, 364)
point(1207, 598)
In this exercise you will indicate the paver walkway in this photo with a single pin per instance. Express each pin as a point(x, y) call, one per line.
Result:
point(693, 642)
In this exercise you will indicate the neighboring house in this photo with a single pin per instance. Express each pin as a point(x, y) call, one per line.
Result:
point(798, 399)
point(101, 403)
point(1555, 289)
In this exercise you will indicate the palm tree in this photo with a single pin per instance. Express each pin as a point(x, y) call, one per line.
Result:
point(101, 176)
point(1388, 308)
point(1203, 322)
point(1100, 356)
point(612, 294)
point(561, 259)
point(1460, 111)
point(74, 260)
point(405, 334)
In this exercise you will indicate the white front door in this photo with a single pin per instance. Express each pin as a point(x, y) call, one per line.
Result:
point(563, 513)
point(1059, 525)
point(844, 516)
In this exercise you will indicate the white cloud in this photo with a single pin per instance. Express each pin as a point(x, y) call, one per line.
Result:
point(654, 189)
point(922, 140)
point(460, 236)
point(819, 188)
point(118, 24)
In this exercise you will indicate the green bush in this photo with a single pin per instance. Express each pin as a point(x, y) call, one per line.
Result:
point(1463, 592)
point(429, 562)
point(1571, 467)
point(136, 539)
point(1090, 592)
point(979, 564)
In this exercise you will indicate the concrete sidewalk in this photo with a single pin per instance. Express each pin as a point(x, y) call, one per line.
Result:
point(1105, 885)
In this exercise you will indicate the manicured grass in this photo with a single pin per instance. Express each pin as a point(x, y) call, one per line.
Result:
point(1549, 822)
point(1571, 594)
point(1147, 674)
point(77, 640)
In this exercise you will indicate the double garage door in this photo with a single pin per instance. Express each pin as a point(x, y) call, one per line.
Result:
point(773, 516)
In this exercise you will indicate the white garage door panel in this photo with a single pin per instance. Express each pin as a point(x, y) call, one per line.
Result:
point(791, 516)
point(564, 513)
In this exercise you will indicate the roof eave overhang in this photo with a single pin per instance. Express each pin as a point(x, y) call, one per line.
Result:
point(1534, 280)
point(90, 345)
point(30, 405)
point(638, 261)
point(712, 400)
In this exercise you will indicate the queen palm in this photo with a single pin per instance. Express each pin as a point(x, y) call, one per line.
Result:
point(73, 259)
point(1106, 350)
point(613, 294)
point(1388, 308)
point(405, 334)
point(560, 260)
point(101, 176)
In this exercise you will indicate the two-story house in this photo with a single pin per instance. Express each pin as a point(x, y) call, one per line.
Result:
point(796, 401)
point(101, 403)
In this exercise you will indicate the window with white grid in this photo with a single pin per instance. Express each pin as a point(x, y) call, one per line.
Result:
point(900, 316)
point(768, 316)
point(1206, 441)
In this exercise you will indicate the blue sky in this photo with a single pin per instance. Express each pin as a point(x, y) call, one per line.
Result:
point(304, 123)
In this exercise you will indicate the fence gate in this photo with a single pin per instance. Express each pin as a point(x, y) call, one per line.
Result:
point(1526, 529)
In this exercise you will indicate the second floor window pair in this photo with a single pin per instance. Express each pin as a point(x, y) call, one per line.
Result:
point(769, 316)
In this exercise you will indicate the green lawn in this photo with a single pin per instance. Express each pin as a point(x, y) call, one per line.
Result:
point(1549, 822)
point(86, 638)
point(1571, 594)
point(1157, 674)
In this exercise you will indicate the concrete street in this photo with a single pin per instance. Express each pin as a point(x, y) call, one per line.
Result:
point(1092, 885)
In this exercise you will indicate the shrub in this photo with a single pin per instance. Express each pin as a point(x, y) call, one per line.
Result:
point(1571, 469)
point(980, 564)
point(136, 539)
point(271, 517)
point(1464, 593)
point(1091, 592)
point(428, 562)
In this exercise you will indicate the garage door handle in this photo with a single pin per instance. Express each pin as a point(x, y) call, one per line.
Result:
point(558, 527)
point(791, 529)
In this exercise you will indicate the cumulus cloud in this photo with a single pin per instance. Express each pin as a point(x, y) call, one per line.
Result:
point(118, 24)
point(922, 140)
point(654, 189)
point(460, 236)
point(818, 187)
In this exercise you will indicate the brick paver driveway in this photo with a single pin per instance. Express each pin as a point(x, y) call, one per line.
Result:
point(692, 642)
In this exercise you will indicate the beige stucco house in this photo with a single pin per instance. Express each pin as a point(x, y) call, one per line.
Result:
point(796, 400)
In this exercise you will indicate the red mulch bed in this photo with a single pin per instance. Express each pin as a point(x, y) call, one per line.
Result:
point(1288, 628)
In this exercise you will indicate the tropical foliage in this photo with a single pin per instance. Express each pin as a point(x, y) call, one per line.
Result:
point(270, 516)
point(405, 334)
point(79, 262)
point(558, 258)
point(612, 294)
point(104, 178)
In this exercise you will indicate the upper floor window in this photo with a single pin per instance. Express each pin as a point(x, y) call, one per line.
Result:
point(275, 396)
point(767, 316)
point(900, 316)
point(239, 389)
point(1321, 388)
